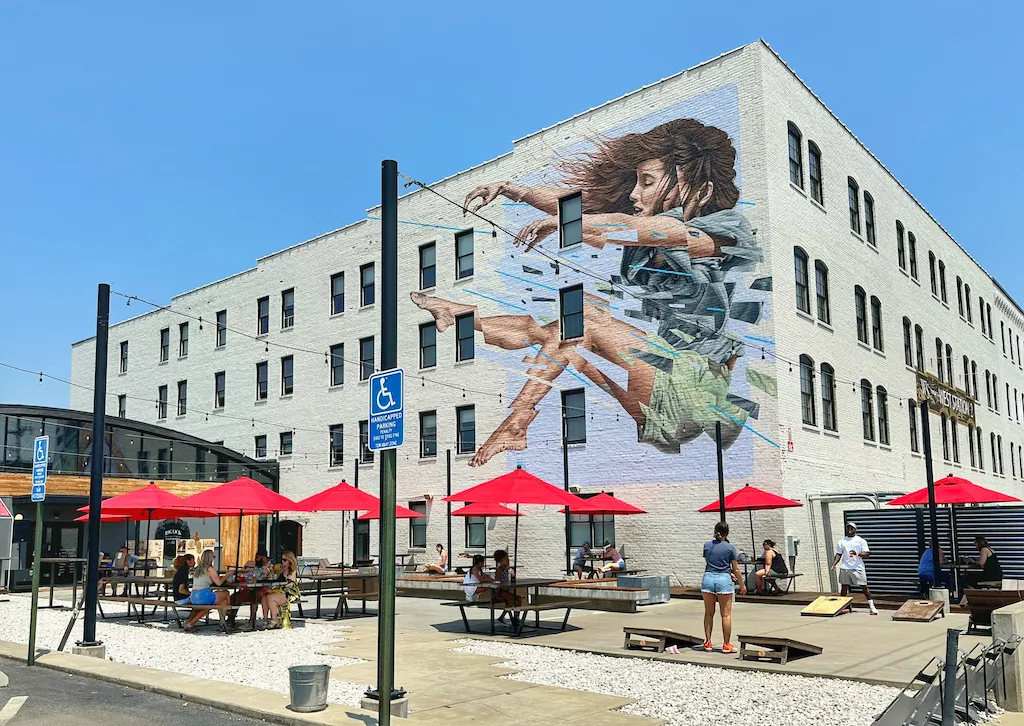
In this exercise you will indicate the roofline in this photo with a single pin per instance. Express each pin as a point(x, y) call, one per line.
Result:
point(890, 173)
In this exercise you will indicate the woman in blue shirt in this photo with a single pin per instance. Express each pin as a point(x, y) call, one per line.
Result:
point(721, 573)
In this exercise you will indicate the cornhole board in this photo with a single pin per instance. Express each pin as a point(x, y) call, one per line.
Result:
point(920, 611)
point(658, 640)
point(829, 606)
point(779, 650)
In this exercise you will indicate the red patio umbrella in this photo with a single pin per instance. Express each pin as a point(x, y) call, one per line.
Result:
point(400, 513)
point(954, 490)
point(603, 503)
point(485, 509)
point(750, 498)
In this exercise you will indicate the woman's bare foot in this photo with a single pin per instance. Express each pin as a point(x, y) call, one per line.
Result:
point(444, 311)
point(509, 436)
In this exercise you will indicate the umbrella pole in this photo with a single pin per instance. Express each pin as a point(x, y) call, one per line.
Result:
point(238, 547)
point(753, 544)
point(515, 560)
point(149, 525)
point(343, 601)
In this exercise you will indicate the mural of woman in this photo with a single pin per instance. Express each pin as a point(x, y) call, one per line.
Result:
point(668, 197)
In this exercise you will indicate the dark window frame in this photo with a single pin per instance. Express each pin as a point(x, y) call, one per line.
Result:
point(795, 153)
point(801, 280)
point(222, 329)
point(570, 225)
point(428, 348)
point(288, 310)
point(124, 356)
point(161, 402)
point(428, 444)
point(366, 365)
point(808, 392)
point(366, 455)
point(262, 381)
point(860, 306)
point(183, 340)
point(574, 416)
point(869, 219)
point(336, 445)
point(337, 298)
point(220, 384)
point(287, 375)
point(465, 344)
point(821, 292)
point(182, 399)
point(286, 442)
point(428, 273)
point(465, 444)
point(165, 345)
point(367, 285)
point(814, 173)
point(463, 271)
point(571, 323)
point(337, 364)
point(418, 526)
point(853, 199)
point(263, 316)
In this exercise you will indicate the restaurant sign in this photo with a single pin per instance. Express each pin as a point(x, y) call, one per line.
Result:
point(945, 399)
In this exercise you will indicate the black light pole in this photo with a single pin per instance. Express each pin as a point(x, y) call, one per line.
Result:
point(721, 471)
point(99, 413)
point(565, 483)
point(448, 478)
point(929, 473)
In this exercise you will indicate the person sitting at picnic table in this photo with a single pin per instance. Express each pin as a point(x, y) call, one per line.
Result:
point(258, 569)
point(774, 563)
point(988, 561)
point(474, 577)
point(179, 586)
point(283, 595)
point(926, 571)
point(579, 561)
point(504, 574)
point(442, 568)
point(617, 563)
point(204, 577)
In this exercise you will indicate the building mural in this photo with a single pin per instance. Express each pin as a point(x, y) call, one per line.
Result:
point(672, 295)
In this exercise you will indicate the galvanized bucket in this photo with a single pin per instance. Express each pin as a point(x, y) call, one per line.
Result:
point(307, 686)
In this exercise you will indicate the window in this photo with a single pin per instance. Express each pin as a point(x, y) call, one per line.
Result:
point(981, 314)
point(161, 463)
point(261, 446)
point(1016, 407)
point(796, 157)
point(418, 526)
point(464, 254)
point(337, 444)
point(814, 170)
point(428, 266)
point(571, 312)
point(988, 314)
point(365, 454)
point(821, 287)
point(366, 285)
point(465, 417)
point(970, 444)
point(1002, 335)
point(901, 248)
point(1013, 358)
point(476, 532)
point(960, 295)
point(945, 438)
point(828, 398)
point(161, 402)
point(803, 293)
point(428, 345)
point(124, 356)
point(912, 249)
point(219, 389)
point(853, 194)
point(967, 376)
point(286, 443)
point(919, 346)
point(428, 434)
point(287, 308)
point(876, 324)
point(263, 316)
point(122, 406)
point(869, 219)
point(287, 375)
point(570, 220)
point(974, 379)
point(931, 273)
point(807, 392)
point(949, 365)
point(912, 410)
point(967, 303)
point(574, 416)
point(981, 451)
point(992, 448)
point(995, 391)
point(954, 438)
point(222, 328)
point(590, 528)
point(183, 340)
point(882, 400)
point(338, 364)
point(337, 293)
point(867, 412)
point(262, 378)
point(165, 345)
point(860, 305)
point(942, 281)
point(908, 350)
point(365, 358)
point(988, 388)
point(938, 360)
point(182, 397)
point(465, 340)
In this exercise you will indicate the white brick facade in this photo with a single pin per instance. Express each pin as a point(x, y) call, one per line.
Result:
point(765, 97)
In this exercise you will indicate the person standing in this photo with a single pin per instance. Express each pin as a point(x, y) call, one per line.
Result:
point(851, 552)
point(718, 586)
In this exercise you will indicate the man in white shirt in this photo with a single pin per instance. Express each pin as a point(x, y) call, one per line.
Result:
point(849, 563)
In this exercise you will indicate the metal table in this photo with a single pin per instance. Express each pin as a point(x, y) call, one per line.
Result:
point(532, 586)
point(254, 587)
point(342, 608)
point(76, 565)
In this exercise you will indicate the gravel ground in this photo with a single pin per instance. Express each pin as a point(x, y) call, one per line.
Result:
point(260, 659)
point(690, 695)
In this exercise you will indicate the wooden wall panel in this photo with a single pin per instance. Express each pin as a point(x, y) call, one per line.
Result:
point(69, 485)
point(229, 539)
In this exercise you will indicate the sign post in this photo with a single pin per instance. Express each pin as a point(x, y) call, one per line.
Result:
point(40, 455)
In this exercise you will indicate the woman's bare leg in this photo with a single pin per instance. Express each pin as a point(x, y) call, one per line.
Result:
point(709, 614)
point(725, 603)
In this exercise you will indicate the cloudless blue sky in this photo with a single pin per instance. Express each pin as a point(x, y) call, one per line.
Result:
point(160, 146)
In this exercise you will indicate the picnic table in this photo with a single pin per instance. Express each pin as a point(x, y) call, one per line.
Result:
point(76, 567)
point(253, 586)
point(135, 580)
point(532, 603)
point(341, 584)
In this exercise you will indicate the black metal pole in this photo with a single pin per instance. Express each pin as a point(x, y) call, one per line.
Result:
point(949, 686)
point(448, 480)
point(721, 471)
point(565, 484)
point(930, 478)
point(99, 414)
point(355, 520)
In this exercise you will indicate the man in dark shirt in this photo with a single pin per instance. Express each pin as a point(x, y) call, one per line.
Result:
point(179, 586)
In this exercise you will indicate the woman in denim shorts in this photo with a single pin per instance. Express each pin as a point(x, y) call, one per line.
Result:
point(721, 574)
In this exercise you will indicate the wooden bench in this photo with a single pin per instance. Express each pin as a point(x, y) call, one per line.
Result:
point(143, 603)
point(789, 578)
point(352, 590)
point(595, 575)
point(763, 647)
point(982, 603)
point(463, 604)
point(658, 640)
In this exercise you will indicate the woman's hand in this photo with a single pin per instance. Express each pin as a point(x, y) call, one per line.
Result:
point(743, 589)
point(485, 193)
point(536, 232)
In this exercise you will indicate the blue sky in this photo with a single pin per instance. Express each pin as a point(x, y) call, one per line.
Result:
point(158, 147)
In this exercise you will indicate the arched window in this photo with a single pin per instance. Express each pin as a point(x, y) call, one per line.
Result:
point(931, 272)
point(828, 398)
point(1013, 358)
point(949, 365)
point(869, 219)
point(945, 438)
point(967, 303)
point(876, 324)
point(954, 438)
point(974, 379)
point(803, 293)
point(960, 295)
point(970, 444)
point(860, 304)
point(912, 249)
point(867, 412)
point(814, 170)
point(981, 314)
point(796, 157)
point(882, 403)
point(988, 314)
point(967, 376)
point(821, 289)
point(988, 388)
point(938, 360)
point(1016, 407)
point(999, 451)
point(942, 281)
point(919, 346)
point(992, 450)
point(908, 346)
point(807, 392)
point(912, 410)
point(853, 194)
point(1013, 462)
point(1002, 335)
point(981, 450)
point(995, 391)
point(901, 248)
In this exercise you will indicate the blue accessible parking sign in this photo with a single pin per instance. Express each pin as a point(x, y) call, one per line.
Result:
point(387, 410)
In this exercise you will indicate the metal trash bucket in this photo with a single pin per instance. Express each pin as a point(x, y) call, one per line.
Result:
point(307, 687)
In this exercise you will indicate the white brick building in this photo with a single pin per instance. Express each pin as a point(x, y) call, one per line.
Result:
point(704, 319)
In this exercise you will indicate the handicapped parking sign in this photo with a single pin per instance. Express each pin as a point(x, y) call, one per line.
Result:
point(40, 454)
point(387, 410)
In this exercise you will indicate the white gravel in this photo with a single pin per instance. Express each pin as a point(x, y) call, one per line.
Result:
point(690, 695)
point(260, 659)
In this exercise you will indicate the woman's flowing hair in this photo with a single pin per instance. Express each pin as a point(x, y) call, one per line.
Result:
point(686, 147)
point(205, 562)
point(293, 564)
